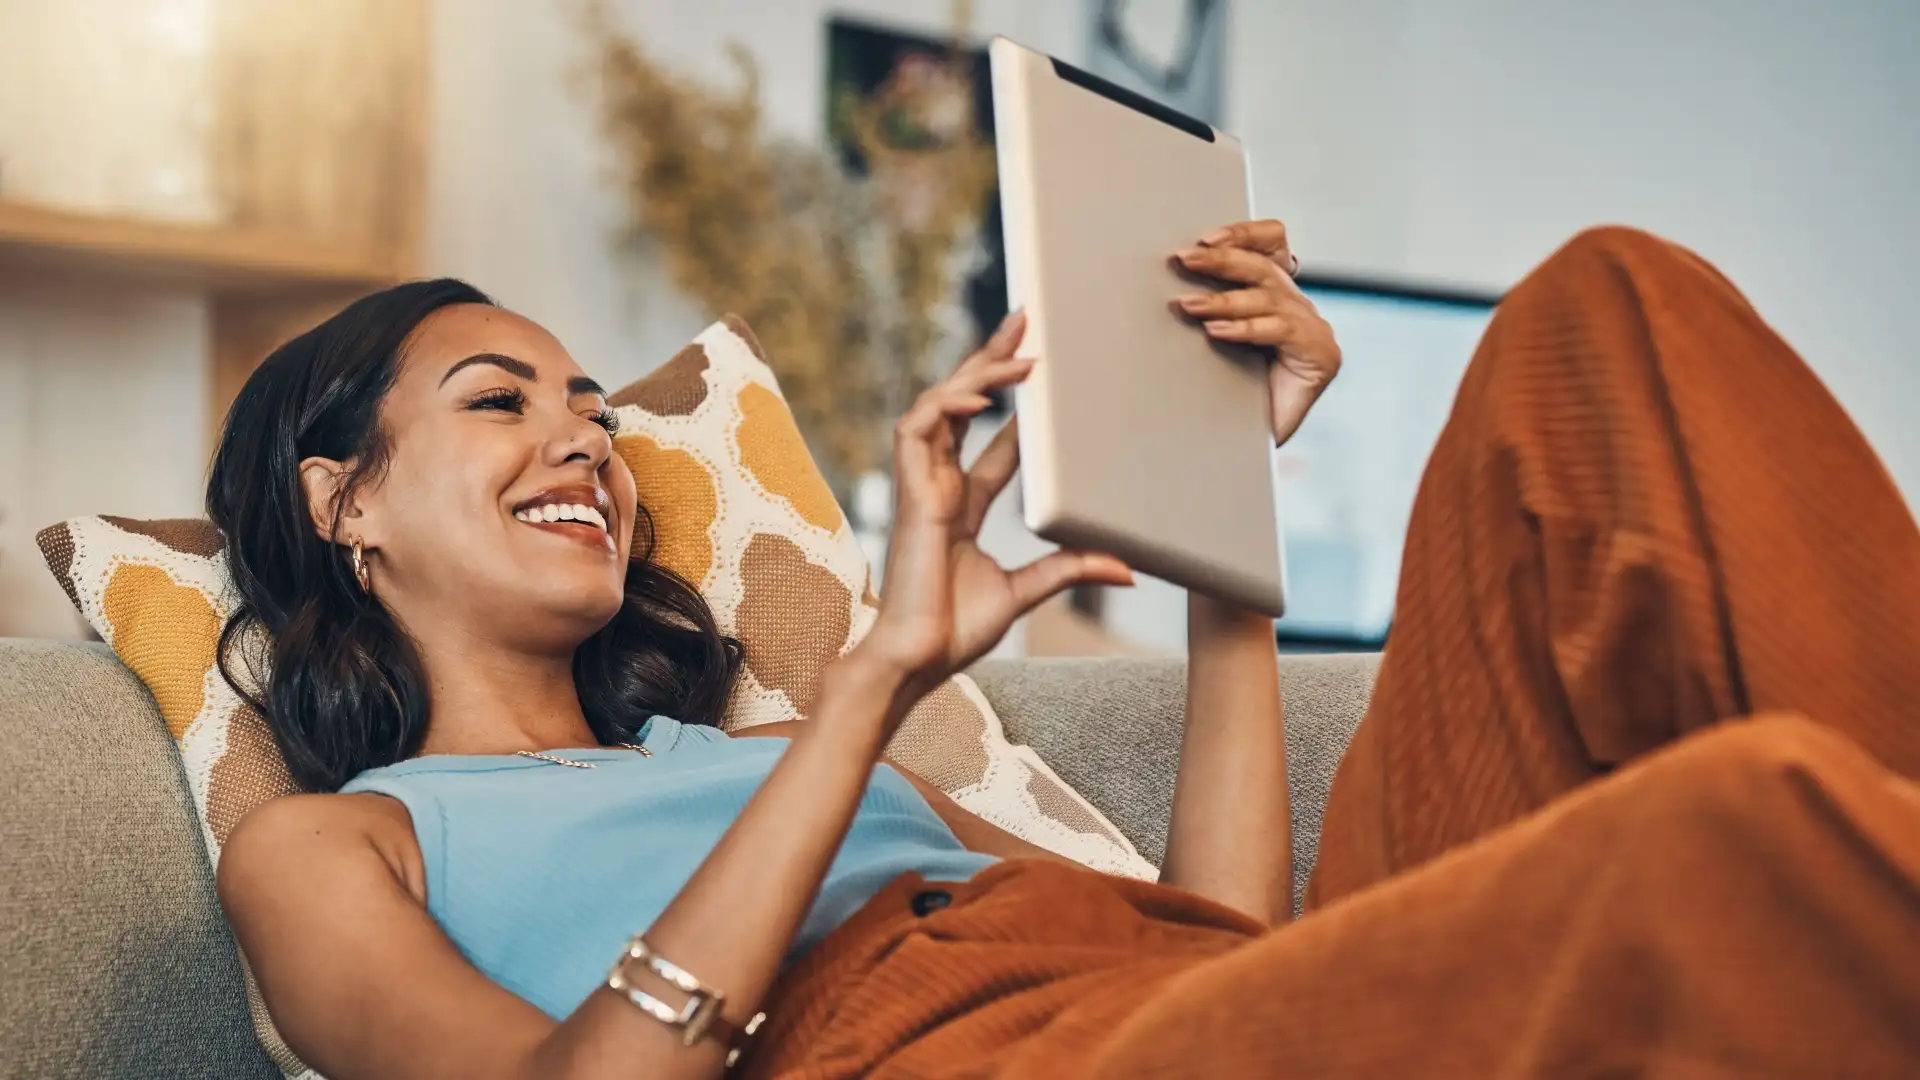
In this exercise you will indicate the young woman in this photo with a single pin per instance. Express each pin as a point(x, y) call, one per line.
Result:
point(1636, 524)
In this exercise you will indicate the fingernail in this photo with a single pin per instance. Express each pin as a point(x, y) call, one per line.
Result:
point(1192, 303)
point(1221, 326)
point(1217, 236)
point(1190, 254)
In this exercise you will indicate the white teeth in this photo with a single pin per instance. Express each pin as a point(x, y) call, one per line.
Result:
point(565, 512)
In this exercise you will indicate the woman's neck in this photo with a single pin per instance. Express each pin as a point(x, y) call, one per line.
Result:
point(489, 699)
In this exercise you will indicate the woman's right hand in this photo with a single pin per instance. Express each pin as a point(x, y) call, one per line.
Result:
point(947, 602)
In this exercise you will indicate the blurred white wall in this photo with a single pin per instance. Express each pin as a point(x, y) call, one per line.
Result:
point(1463, 140)
point(103, 409)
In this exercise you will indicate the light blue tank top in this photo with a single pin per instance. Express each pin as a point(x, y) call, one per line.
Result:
point(540, 873)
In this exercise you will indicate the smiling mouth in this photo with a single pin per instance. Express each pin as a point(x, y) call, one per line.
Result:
point(575, 520)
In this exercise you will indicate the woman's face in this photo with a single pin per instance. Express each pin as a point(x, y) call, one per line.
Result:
point(504, 514)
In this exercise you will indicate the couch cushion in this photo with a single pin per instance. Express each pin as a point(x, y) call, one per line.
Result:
point(117, 962)
point(1112, 730)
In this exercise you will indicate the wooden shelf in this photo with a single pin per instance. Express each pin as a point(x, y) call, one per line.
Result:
point(227, 261)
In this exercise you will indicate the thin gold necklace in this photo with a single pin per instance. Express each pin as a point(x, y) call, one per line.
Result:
point(555, 759)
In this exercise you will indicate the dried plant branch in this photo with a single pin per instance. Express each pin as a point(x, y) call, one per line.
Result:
point(843, 284)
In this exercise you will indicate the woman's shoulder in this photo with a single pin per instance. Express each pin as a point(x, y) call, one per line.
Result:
point(309, 819)
point(293, 840)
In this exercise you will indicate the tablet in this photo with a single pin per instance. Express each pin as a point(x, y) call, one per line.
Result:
point(1139, 436)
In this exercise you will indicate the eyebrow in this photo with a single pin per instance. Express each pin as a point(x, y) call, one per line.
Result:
point(504, 363)
point(579, 384)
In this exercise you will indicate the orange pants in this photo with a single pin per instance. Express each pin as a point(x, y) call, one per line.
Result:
point(1546, 854)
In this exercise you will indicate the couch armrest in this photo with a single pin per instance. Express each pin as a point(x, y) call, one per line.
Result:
point(1111, 728)
point(118, 963)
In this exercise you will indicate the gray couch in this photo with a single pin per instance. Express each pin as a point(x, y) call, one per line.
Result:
point(115, 962)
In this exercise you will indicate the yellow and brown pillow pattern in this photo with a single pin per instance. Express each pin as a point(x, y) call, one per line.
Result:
point(739, 509)
point(158, 593)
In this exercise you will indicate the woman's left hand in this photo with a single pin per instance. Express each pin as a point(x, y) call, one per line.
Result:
point(1270, 310)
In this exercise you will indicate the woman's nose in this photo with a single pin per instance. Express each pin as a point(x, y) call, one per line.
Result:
point(580, 439)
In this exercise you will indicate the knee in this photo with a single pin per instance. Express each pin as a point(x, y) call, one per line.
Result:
point(1608, 241)
point(1618, 253)
point(1608, 247)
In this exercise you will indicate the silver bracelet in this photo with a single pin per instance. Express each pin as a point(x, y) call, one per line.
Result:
point(698, 1018)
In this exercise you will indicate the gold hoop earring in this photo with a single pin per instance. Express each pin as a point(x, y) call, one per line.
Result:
point(360, 572)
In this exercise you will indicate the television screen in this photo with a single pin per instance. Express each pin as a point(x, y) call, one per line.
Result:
point(1346, 480)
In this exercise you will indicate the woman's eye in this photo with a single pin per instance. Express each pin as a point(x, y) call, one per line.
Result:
point(608, 419)
point(512, 401)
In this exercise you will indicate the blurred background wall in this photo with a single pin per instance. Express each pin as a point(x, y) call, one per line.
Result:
point(1451, 141)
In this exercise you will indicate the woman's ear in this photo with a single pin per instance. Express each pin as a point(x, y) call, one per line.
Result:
point(322, 478)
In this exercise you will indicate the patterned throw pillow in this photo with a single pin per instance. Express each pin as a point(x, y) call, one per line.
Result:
point(739, 509)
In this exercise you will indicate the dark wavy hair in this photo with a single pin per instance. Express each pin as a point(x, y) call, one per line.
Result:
point(345, 690)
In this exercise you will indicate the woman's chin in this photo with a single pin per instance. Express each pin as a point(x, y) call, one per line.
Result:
point(562, 617)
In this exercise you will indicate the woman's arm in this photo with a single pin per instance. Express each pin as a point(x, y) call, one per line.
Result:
point(362, 983)
point(1231, 838)
point(733, 921)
